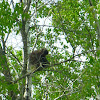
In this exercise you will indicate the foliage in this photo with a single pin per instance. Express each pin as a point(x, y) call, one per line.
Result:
point(72, 38)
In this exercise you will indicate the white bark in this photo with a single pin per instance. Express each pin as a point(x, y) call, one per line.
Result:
point(26, 37)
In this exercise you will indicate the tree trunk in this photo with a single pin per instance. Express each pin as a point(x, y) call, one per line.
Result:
point(26, 88)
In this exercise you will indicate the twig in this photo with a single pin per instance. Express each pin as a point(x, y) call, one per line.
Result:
point(14, 57)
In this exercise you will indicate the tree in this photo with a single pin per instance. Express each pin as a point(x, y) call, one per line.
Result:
point(72, 38)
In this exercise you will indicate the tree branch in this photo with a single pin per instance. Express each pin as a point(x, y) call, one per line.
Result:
point(70, 59)
point(14, 57)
